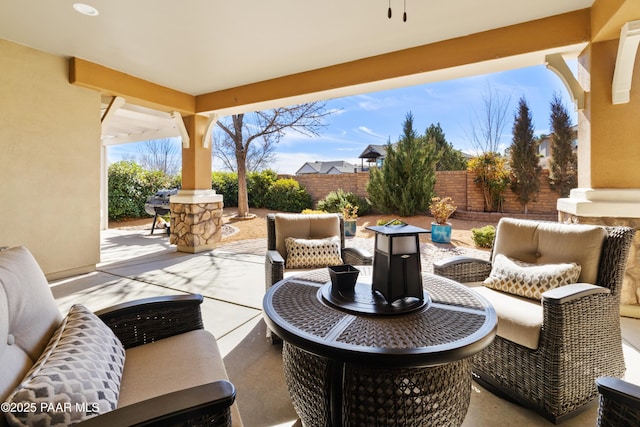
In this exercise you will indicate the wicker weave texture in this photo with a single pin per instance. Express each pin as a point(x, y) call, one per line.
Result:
point(613, 413)
point(307, 376)
point(393, 397)
point(152, 323)
point(413, 397)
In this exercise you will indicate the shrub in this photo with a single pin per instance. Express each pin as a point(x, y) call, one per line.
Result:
point(288, 196)
point(483, 237)
point(226, 183)
point(336, 201)
point(258, 186)
point(130, 185)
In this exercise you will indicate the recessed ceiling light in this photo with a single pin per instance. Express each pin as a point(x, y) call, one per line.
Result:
point(85, 9)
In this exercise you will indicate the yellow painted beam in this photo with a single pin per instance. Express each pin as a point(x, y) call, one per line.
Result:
point(547, 33)
point(608, 17)
point(133, 89)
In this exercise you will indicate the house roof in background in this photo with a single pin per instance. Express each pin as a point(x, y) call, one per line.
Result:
point(336, 166)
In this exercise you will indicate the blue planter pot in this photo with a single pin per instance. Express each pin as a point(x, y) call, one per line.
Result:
point(440, 233)
point(350, 227)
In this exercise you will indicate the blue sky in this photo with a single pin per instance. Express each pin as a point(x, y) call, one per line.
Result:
point(374, 118)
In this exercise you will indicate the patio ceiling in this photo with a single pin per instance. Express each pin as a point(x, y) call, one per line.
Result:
point(203, 46)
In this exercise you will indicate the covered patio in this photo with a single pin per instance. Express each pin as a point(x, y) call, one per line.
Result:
point(232, 310)
point(74, 84)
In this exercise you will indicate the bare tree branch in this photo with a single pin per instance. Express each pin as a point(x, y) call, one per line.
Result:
point(488, 124)
point(247, 142)
point(160, 154)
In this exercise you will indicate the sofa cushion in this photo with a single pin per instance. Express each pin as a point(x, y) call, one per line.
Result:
point(77, 376)
point(550, 243)
point(172, 364)
point(28, 316)
point(302, 226)
point(529, 280)
point(519, 319)
point(312, 253)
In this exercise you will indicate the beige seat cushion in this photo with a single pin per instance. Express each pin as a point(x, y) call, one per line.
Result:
point(519, 319)
point(170, 365)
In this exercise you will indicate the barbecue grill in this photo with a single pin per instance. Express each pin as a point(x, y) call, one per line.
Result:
point(158, 204)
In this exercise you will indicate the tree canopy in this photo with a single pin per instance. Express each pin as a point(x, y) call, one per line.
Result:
point(524, 159)
point(404, 184)
point(564, 162)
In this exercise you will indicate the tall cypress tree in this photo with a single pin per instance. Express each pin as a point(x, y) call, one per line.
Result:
point(405, 182)
point(524, 161)
point(564, 162)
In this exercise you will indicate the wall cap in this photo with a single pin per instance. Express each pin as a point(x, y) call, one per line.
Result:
point(602, 202)
point(196, 197)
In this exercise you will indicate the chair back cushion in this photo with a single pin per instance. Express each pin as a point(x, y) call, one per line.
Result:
point(538, 242)
point(28, 316)
point(303, 226)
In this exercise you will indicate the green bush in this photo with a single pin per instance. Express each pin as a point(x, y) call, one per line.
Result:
point(130, 185)
point(483, 237)
point(288, 196)
point(336, 200)
point(258, 186)
point(226, 183)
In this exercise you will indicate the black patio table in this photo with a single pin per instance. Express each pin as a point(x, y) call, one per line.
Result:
point(347, 366)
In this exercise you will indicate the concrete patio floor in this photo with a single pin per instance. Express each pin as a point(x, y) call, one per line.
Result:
point(136, 264)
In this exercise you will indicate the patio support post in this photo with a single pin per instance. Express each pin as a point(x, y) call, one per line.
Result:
point(196, 211)
point(608, 160)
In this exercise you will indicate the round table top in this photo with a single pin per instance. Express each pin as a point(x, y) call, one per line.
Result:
point(455, 324)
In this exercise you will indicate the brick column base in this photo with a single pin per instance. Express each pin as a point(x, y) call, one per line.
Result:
point(196, 220)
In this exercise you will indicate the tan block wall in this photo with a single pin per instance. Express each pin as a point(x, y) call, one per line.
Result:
point(457, 184)
point(49, 162)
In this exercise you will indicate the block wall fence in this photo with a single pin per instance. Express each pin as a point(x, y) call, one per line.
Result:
point(458, 185)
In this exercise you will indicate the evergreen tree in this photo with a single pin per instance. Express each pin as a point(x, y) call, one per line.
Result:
point(564, 162)
point(450, 159)
point(404, 184)
point(524, 162)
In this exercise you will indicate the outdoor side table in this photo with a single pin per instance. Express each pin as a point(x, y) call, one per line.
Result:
point(346, 368)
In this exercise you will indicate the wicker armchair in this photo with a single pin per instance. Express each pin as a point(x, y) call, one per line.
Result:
point(579, 329)
point(619, 403)
point(303, 226)
point(276, 259)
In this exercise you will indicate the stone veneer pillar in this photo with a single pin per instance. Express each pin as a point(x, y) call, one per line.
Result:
point(610, 207)
point(196, 220)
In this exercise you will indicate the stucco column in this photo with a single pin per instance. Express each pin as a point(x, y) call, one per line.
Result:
point(196, 211)
point(608, 160)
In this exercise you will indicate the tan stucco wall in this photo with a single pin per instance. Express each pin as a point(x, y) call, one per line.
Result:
point(609, 144)
point(49, 162)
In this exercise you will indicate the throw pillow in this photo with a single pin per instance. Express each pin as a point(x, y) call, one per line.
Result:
point(76, 377)
point(529, 280)
point(312, 253)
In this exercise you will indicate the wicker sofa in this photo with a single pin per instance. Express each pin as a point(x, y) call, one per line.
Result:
point(619, 403)
point(147, 362)
point(552, 344)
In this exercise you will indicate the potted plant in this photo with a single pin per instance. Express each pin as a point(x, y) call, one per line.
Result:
point(350, 213)
point(441, 209)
